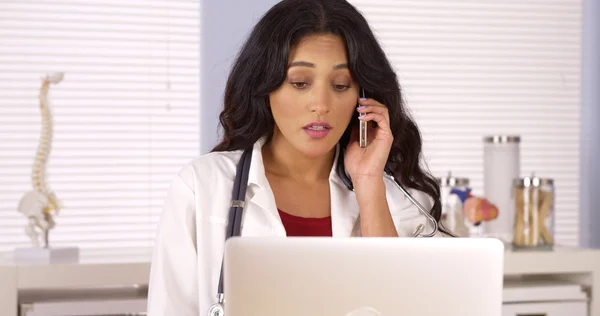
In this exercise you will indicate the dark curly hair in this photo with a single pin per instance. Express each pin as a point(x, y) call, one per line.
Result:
point(261, 68)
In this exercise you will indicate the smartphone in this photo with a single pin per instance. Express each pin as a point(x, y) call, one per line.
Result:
point(362, 138)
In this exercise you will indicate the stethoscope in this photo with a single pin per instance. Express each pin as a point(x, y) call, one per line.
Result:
point(238, 202)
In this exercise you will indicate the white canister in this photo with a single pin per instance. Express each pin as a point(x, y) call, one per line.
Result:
point(501, 166)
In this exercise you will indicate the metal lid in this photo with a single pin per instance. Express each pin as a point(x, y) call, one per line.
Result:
point(502, 139)
point(533, 181)
point(452, 181)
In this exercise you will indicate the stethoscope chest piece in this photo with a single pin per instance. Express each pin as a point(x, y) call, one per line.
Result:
point(216, 310)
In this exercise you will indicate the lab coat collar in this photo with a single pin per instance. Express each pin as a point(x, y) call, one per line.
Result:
point(257, 176)
point(344, 208)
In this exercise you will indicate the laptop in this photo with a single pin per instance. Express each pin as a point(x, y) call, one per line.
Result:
point(315, 276)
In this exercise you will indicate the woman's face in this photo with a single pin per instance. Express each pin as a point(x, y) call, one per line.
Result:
point(315, 104)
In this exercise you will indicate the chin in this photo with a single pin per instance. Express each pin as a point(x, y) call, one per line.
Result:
point(315, 148)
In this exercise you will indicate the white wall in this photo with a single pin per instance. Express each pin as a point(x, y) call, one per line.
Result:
point(590, 129)
point(223, 31)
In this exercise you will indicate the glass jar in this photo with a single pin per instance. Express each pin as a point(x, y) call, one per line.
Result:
point(501, 166)
point(454, 192)
point(534, 213)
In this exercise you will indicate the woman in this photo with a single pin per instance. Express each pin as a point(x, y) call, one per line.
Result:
point(292, 96)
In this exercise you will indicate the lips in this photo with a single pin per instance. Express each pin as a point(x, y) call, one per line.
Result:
point(317, 126)
point(317, 130)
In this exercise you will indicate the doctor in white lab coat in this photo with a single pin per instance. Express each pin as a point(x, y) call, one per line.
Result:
point(297, 111)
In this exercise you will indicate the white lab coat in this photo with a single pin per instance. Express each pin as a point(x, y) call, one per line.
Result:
point(190, 239)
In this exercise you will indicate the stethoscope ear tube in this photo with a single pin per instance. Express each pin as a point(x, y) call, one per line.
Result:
point(419, 231)
point(239, 196)
point(234, 225)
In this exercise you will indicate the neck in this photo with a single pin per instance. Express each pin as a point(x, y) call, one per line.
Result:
point(282, 159)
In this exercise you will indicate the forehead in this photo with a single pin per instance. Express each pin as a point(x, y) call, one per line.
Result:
point(328, 49)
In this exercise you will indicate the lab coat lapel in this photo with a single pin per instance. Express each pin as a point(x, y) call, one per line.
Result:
point(344, 207)
point(262, 209)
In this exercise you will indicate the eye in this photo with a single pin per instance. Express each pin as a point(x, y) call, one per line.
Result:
point(299, 84)
point(341, 87)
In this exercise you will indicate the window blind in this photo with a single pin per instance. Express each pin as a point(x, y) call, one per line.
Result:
point(126, 115)
point(470, 68)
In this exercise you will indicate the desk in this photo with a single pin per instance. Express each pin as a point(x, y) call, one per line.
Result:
point(100, 268)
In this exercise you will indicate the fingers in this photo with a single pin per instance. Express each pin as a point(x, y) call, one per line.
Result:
point(374, 109)
point(371, 110)
point(372, 106)
point(380, 119)
point(369, 101)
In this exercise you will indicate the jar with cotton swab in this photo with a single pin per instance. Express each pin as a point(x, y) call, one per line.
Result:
point(534, 200)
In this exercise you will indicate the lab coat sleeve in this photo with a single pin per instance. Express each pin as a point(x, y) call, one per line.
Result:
point(173, 286)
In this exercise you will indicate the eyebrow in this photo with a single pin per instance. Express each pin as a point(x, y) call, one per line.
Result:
point(307, 64)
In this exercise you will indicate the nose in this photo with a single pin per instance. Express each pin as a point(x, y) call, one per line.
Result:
point(320, 101)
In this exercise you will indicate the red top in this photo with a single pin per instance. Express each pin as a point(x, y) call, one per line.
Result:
point(301, 226)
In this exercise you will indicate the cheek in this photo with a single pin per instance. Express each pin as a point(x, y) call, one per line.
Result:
point(347, 110)
point(347, 114)
point(284, 106)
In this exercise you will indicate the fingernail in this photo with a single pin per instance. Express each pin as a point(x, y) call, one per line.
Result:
point(362, 115)
point(362, 107)
point(363, 99)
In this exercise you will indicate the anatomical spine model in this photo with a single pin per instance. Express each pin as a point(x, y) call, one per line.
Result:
point(41, 205)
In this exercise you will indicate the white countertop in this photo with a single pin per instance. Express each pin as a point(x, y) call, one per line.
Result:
point(559, 260)
point(523, 261)
point(96, 267)
point(97, 256)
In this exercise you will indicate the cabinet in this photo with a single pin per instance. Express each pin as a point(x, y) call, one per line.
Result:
point(546, 309)
point(544, 297)
point(115, 301)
